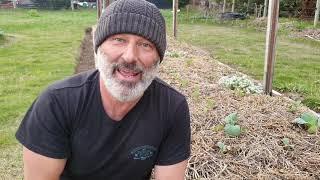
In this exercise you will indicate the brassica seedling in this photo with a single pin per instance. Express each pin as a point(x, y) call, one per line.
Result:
point(223, 148)
point(310, 121)
point(286, 143)
point(231, 128)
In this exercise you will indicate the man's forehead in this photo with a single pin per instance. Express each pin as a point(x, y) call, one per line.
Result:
point(129, 35)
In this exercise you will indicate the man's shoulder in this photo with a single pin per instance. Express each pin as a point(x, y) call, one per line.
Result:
point(75, 82)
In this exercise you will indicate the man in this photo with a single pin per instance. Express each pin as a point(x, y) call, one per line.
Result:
point(117, 122)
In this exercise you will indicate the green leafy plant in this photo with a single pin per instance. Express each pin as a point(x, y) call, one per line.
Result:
point(211, 104)
point(310, 121)
point(222, 147)
point(172, 54)
point(184, 83)
point(294, 106)
point(196, 93)
point(286, 143)
point(189, 62)
point(231, 128)
point(218, 128)
point(33, 13)
point(1, 33)
point(241, 84)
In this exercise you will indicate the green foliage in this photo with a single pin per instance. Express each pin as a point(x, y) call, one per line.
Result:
point(222, 147)
point(289, 8)
point(310, 121)
point(294, 106)
point(189, 62)
point(196, 93)
point(33, 13)
point(172, 54)
point(184, 83)
point(287, 144)
point(1, 33)
point(231, 128)
point(242, 84)
point(2, 37)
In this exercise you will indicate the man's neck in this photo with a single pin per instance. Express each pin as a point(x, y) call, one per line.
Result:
point(115, 109)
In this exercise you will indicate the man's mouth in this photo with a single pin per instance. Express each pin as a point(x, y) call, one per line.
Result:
point(128, 74)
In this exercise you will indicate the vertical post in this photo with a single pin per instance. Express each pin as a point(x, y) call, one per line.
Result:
point(248, 7)
point(255, 10)
point(175, 7)
point(316, 16)
point(224, 6)
point(14, 3)
point(260, 10)
point(188, 6)
point(72, 5)
point(99, 7)
point(271, 37)
point(233, 5)
point(265, 8)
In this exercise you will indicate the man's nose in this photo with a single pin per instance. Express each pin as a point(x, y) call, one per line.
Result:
point(130, 54)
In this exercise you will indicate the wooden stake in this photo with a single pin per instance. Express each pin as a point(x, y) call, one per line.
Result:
point(316, 16)
point(175, 7)
point(233, 4)
point(265, 8)
point(255, 10)
point(99, 7)
point(271, 37)
point(260, 10)
point(72, 5)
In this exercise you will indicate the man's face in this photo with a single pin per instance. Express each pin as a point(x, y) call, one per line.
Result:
point(127, 64)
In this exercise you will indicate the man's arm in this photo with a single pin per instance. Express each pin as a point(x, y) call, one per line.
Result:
point(171, 172)
point(38, 167)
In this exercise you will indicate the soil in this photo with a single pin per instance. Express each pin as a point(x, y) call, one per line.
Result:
point(259, 152)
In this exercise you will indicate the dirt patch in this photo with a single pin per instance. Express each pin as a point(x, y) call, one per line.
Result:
point(85, 59)
point(259, 152)
point(313, 34)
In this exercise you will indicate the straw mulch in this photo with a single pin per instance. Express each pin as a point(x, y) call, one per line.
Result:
point(259, 152)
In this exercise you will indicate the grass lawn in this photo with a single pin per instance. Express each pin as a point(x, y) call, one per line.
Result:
point(42, 48)
point(297, 67)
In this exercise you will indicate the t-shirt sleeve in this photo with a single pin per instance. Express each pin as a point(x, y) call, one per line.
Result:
point(44, 128)
point(176, 146)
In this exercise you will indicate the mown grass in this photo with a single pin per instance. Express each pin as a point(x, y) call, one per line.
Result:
point(42, 49)
point(242, 46)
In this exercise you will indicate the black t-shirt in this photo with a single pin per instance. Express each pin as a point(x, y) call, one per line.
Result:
point(68, 121)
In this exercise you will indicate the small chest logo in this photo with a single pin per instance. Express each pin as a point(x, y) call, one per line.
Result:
point(142, 152)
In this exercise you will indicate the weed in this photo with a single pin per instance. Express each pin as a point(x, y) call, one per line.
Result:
point(33, 13)
point(189, 62)
point(294, 106)
point(286, 143)
point(196, 93)
point(184, 83)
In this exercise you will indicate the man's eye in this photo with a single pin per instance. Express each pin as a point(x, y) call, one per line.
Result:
point(146, 45)
point(119, 39)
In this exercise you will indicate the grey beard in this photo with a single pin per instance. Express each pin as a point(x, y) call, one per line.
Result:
point(121, 90)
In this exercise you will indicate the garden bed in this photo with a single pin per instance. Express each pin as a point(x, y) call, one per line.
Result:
point(259, 152)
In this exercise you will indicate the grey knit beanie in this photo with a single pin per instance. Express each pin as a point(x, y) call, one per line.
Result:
point(138, 17)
